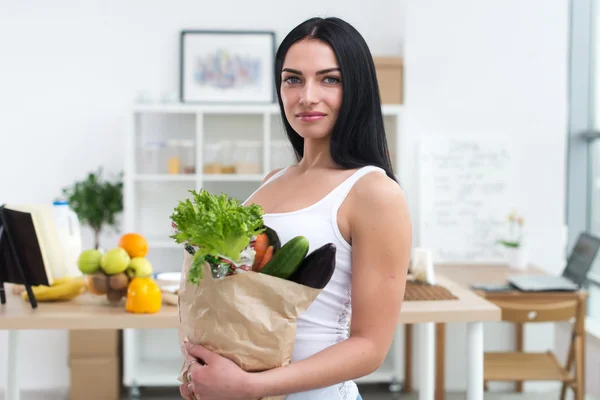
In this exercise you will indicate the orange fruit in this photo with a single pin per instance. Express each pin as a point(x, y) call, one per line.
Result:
point(134, 244)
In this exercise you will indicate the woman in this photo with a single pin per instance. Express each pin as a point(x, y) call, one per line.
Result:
point(342, 190)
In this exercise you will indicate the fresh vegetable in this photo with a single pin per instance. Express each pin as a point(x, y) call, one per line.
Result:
point(271, 246)
point(273, 239)
point(143, 296)
point(217, 224)
point(260, 247)
point(317, 268)
point(266, 258)
point(287, 259)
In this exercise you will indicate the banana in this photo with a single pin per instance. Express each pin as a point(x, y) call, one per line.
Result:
point(63, 289)
point(64, 279)
point(18, 289)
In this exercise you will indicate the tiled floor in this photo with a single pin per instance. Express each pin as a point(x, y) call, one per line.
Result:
point(368, 392)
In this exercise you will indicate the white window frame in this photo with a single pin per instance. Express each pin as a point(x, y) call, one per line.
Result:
point(584, 120)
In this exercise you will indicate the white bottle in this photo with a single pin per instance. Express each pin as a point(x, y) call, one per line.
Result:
point(422, 266)
point(69, 233)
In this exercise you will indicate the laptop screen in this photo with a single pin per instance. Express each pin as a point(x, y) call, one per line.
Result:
point(581, 258)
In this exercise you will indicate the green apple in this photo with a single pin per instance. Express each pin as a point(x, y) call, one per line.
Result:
point(140, 267)
point(89, 261)
point(115, 261)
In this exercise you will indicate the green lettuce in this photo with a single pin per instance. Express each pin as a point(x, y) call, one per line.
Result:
point(217, 224)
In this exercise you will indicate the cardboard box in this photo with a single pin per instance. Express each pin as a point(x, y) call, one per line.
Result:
point(94, 343)
point(95, 378)
point(390, 74)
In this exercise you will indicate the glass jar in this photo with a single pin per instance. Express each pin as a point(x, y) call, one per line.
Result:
point(173, 157)
point(228, 155)
point(213, 158)
point(152, 157)
point(188, 156)
point(248, 156)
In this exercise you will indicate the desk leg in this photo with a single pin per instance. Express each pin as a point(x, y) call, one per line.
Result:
point(12, 384)
point(440, 361)
point(427, 361)
point(475, 361)
point(408, 358)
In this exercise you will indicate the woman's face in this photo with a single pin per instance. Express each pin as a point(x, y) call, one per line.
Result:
point(311, 88)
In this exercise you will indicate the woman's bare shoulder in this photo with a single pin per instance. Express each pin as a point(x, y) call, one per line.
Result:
point(377, 197)
point(270, 174)
point(378, 190)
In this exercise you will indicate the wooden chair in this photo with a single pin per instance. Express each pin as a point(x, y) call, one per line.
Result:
point(528, 366)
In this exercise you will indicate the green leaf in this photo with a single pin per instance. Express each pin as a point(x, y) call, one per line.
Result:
point(195, 272)
point(217, 224)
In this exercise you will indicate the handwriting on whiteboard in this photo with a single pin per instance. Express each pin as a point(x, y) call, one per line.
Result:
point(465, 193)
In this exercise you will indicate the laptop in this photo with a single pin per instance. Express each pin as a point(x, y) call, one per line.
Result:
point(574, 276)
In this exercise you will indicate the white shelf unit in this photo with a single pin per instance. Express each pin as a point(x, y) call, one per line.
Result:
point(153, 357)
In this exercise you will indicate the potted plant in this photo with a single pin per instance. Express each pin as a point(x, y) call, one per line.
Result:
point(97, 202)
point(514, 248)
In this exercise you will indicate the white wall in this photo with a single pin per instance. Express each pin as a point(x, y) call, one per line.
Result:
point(69, 71)
point(496, 67)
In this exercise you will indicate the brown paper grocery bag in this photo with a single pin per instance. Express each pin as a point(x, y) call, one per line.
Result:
point(249, 318)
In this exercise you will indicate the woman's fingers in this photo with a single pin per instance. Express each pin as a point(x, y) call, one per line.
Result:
point(185, 392)
point(196, 373)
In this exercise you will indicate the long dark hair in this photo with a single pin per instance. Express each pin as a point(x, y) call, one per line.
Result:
point(358, 138)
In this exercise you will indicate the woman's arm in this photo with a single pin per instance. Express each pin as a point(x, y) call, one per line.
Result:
point(381, 233)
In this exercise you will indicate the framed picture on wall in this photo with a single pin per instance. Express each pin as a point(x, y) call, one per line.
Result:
point(227, 66)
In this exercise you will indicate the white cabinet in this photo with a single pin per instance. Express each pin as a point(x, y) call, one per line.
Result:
point(173, 148)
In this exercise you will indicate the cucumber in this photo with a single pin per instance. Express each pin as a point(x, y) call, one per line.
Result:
point(289, 257)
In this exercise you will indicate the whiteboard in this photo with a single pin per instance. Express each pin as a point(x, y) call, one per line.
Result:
point(465, 195)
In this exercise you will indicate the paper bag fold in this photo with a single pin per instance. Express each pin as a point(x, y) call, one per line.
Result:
point(249, 318)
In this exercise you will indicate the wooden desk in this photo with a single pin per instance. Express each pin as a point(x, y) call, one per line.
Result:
point(465, 275)
point(469, 308)
point(85, 312)
point(91, 312)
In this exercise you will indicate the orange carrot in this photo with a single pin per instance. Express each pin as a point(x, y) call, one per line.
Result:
point(260, 247)
point(266, 258)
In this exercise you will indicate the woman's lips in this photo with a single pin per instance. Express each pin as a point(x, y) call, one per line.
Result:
point(310, 116)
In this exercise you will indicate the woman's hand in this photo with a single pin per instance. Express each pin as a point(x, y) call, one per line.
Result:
point(219, 379)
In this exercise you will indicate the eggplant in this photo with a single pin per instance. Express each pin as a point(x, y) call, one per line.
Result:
point(273, 239)
point(317, 268)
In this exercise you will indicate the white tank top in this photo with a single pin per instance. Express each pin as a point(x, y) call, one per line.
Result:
point(326, 321)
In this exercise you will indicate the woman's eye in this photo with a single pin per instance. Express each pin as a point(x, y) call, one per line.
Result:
point(332, 79)
point(292, 79)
